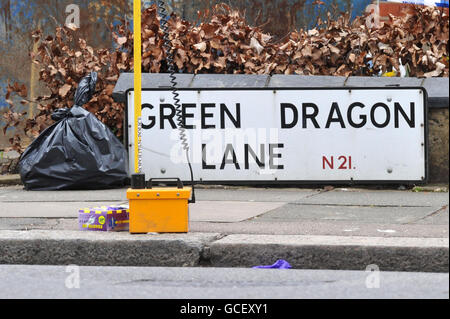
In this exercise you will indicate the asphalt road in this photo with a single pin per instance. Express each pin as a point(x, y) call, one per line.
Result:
point(68, 282)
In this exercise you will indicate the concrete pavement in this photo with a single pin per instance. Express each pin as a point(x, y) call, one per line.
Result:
point(342, 228)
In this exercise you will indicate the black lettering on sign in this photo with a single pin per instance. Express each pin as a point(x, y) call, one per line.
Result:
point(312, 116)
point(362, 117)
point(273, 155)
point(150, 118)
point(357, 116)
point(249, 151)
point(204, 164)
point(206, 115)
point(230, 157)
point(411, 120)
point(168, 117)
point(186, 115)
point(331, 118)
point(388, 115)
point(285, 106)
point(236, 119)
point(229, 150)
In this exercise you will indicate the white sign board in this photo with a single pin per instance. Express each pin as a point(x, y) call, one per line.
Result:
point(339, 135)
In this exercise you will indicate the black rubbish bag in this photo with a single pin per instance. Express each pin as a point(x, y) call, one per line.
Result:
point(78, 152)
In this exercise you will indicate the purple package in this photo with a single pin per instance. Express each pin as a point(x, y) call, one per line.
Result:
point(105, 218)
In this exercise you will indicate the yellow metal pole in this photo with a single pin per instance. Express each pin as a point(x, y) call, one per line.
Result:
point(137, 79)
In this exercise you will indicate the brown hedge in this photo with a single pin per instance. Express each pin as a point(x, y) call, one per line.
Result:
point(227, 44)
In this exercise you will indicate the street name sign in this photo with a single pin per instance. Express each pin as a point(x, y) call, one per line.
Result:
point(284, 135)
